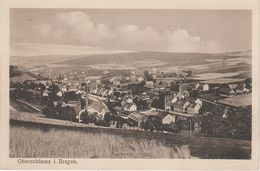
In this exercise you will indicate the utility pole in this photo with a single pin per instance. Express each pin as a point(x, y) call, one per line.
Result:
point(86, 90)
point(190, 127)
point(164, 93)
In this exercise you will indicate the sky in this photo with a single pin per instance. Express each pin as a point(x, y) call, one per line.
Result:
point(93, 31)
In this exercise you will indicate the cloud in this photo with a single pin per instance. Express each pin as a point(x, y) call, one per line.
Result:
point(134, 38)
point(181, 41)
point(78, 28)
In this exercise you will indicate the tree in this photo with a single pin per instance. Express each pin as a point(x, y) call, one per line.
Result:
point(240, 119)
point(54, 89)
point(161, 102)
point(155, 103)
point(141, 105)
point(148, 76)
point(188, 72)
point(14, 71)
point(173, 74)
point(237, 124)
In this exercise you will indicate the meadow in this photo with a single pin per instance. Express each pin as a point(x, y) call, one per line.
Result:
point(59, 143)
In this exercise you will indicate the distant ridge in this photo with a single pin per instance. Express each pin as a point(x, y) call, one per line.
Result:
point(168, 57)
point(174, 59)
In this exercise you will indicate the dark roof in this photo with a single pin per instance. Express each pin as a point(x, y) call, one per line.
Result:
point(180, 103)
point(162, 115)
point(137, 116)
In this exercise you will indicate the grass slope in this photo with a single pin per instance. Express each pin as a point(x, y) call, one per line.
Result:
point(26, 142)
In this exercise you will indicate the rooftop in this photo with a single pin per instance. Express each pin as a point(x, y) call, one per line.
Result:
point(97, 106)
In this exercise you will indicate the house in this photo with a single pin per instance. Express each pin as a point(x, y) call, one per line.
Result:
point(189, 107)
point(150, 111)
point(126, 99)
point(110, 92)
point(105, 93)
point(149, 84)
point(99, 90)
point(194, 108)
point(139, 78)
point(116, 82)
point(59, 94)
point(45, 93)
point(97, 107)
point(178, 106)
point(154, 75)
point(185, 106)
point(185, 87)
point(102, 91)
point(130, 107)
point(226, 86)
point(168, 119)
point(133, 78)
point(137, 118)
point(241, 89)
point(203, 87)
point(165, 81)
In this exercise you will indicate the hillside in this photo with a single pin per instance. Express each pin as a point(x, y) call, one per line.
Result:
point(167, 57)
point(170, 58)
point(42, 59)
point(238, 63)
point(169, 62)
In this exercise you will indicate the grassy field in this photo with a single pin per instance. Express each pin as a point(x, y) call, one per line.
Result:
point(27, 142)
point(202, 147)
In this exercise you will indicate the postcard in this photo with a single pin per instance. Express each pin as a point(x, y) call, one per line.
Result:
point(129, 84)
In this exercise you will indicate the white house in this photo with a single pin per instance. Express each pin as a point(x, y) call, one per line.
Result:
point(130, 107)
point(205, 87)
point(168, 119)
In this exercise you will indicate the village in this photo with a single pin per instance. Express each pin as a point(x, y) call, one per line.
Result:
point(147, 100)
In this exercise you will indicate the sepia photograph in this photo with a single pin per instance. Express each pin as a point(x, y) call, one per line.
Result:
point(101, 84)
point(97, 83)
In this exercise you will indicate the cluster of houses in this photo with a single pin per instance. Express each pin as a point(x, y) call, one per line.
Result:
point(166, 98)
